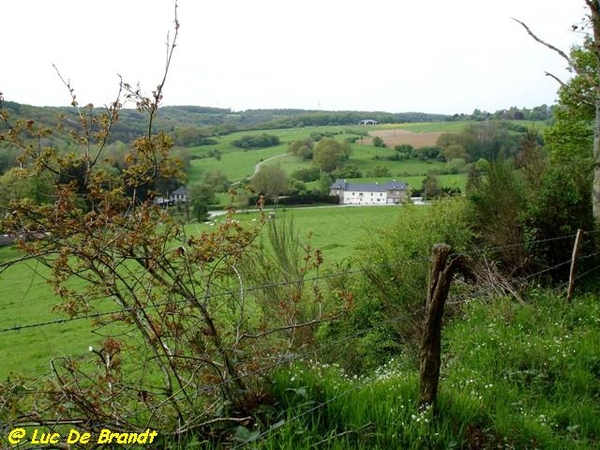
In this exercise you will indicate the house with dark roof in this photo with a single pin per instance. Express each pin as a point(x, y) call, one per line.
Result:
point(391, 192)
point(179, 195)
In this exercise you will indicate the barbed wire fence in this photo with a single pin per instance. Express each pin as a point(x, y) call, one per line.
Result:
point(425, 258)
point(311, 353)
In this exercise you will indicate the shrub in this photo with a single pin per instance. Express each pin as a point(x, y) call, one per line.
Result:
point(497, 204)
point(388, 296)
point(256, 141)
point(378, 142)
point(307, 174)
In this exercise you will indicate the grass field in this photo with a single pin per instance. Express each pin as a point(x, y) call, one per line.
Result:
point(238, 164)
point(27, 299)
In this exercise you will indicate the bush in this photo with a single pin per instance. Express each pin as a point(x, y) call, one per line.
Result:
point(388, 296)
point(307, 174)
point(256, 141)
point(380, 171)
point(562, 205)
point(497, 203)
point(347, 171)
point(378, 142)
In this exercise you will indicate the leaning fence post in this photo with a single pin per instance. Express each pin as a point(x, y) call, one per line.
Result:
point(440, 277)
point(574, 257)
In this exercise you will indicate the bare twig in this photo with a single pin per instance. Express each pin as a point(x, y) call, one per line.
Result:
point(291, 327)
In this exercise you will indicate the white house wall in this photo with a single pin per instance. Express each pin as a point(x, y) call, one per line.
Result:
point(364, 198)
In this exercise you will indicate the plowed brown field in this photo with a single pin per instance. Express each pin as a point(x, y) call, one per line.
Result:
point(399, 137)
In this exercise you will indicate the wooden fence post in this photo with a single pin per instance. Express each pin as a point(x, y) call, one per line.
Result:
point(576, 248)
point(440, 277)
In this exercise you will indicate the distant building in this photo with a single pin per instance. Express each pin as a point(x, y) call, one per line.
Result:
point(368, 122)
point(391, 192)
point(179, 195)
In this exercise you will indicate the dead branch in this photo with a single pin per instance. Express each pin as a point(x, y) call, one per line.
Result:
point(555, 78)
point(544, 43)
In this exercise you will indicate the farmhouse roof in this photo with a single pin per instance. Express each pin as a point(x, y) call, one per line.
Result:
point(369, 187)
point(182, 190)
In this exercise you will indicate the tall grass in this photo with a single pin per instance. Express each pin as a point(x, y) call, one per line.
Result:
point(515, 376)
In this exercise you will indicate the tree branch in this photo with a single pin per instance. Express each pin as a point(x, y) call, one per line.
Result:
point(558, 80)
point(544, 43)
point(290, 327)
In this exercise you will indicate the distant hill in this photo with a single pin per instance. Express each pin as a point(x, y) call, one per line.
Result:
point(187, 123)
point(194, 125)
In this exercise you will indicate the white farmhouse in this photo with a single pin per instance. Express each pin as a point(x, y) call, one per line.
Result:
point(391, 192)
point(179, 195)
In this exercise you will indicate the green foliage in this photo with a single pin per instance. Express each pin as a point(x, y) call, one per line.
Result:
point(535, 200)
point(561, 206)
point(316, 136)
point(429, 153)
point(217, 180)
point(301, 148)
point(498, 204)
point(282, 265)
point(329, 154)
point(457, 165)
point(271, 180)
point(324, 183)
point(347, 171)
point(379, 171)
point(378, 142)
point(386, 302)
point(515, 375)
point(431, 188)
point(201, 195)
point(15, 185)
point(405, 151)
point(256, 141)
point(578, 95)
point(8, 158)
point(490, 140)
point(307, 174)
point(530, 368)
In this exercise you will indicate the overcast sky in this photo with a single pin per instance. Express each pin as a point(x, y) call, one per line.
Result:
point(435, 56)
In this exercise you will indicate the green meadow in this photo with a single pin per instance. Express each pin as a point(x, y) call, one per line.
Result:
point(26, 298)
point(239, 164)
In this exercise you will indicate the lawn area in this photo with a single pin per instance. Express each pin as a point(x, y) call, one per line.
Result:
point(339, 230)
point(27, 299)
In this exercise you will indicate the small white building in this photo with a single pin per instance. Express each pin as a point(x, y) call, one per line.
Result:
point(179, 195)
point(391, 192)
point(368, 122)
